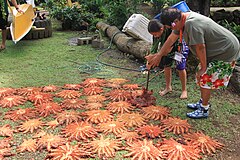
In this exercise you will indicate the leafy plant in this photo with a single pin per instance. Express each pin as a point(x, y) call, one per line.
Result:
point(158, 5)
point(95, 6)
point(74, 18)
point(233, 27)
point(120, 11)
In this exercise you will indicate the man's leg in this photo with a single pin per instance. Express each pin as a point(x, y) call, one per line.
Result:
point(202, 108)
point(209, 82)
point(205, 95)
point(4, 38)
point(168, 80)
point(183, 79)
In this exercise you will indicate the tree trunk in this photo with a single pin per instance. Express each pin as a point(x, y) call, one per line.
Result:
point(200, 6)
point(125, 43)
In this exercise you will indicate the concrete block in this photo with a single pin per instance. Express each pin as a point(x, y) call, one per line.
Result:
point(96, 43)
point(84, 40)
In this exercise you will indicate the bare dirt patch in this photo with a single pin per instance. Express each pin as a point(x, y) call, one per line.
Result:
point(232, 149)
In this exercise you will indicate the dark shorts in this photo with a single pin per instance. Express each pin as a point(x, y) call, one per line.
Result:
point(167, 61)
point(3, 22)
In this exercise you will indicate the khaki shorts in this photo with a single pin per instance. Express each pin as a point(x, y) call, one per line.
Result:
point(217, 75)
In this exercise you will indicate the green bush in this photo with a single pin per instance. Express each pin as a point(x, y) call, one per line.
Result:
point(233, 27)
point(97, 7)
point(73, 18)
point(120, 11)
point(159, 4)
point(114, 12)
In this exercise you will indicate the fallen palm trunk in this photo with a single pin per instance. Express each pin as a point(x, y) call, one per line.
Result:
point(136, 47)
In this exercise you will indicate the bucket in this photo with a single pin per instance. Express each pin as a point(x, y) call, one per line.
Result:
point(182, 6)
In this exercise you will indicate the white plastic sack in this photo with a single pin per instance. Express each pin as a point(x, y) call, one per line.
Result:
point(31, 2)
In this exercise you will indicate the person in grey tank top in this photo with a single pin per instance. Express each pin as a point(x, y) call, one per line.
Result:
point(216, 48)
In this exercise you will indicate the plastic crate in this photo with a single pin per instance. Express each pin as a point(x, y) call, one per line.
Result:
point(137, 27)
point(182, 6)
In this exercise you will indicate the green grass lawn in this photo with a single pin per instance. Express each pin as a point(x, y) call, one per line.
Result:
point(43, 61)
point(53, 61)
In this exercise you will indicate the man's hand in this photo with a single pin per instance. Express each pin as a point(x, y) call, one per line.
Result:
point(153, 60)
point(19, 10)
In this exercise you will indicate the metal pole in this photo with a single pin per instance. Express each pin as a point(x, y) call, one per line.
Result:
point(148, 75)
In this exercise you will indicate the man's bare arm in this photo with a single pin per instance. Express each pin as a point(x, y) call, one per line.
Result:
point(167, 46)
point(201, 54)
point(14, 2)
point(153, 60)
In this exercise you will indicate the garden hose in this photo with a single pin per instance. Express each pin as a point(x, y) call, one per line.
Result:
point(94, 67)
point(111, 65)
point(135, 70)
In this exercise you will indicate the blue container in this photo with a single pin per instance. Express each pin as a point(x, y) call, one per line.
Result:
point(182, 6)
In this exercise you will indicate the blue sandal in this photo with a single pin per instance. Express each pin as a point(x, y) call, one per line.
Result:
point(195, 105)
point(199, 113)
